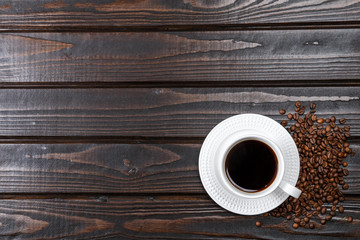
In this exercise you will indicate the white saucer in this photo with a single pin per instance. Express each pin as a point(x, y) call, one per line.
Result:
point(273, 131)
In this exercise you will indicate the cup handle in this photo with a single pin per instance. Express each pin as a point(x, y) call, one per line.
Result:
point(289, 189)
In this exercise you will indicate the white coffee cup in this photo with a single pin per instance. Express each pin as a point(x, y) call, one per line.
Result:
point(278, 181)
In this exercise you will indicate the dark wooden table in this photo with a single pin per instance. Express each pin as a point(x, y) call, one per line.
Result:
point(104, 105)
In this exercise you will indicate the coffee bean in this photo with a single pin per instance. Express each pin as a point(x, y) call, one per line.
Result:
point(312, 106)
point(323, 210)
point(342, 120)
point(306, 219)
point(284, 123)
point(329, 198)
point(297, 220)
point(350, 219)
point(302, 224)
point(311, 226)
point(290, 116)
point(341, 209)
point(333, 208)
point(345, 186)
point(328, 128)
point(258, 223)
point(288, 217)
point(297, 104)
point(322, 221)
point(295, 225)
point(328, 217)
point(289, 207)
point(282, 111)
point(320, 120)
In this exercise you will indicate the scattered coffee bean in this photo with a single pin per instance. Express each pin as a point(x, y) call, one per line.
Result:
point(298, 104)
point(282, 111)
point(311, 225)
point(341, 209)
point(342, 120)
point(258, 223)
point(350, 219)
point(302, 223)
point(284, 123)
point(306, 219)
point(328, 217)
point(323, 210)
point(290, 116)
point(312, 106)
point(329, 198)
point(297, 220)
point(322, 221)
point(328, 128)
point(320, 120)
point(296, 225)
point(288, 217)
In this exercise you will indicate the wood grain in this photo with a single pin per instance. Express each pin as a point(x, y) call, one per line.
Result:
point(68, 14)
point(158, 112)
point(113, 168)
point(168, 57)
point(165, 217)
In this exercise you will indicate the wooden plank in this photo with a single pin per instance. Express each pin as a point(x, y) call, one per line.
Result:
point(231, 56)
point(113, 168)
point(54, 14)
point(167, 217)
point(158, 112)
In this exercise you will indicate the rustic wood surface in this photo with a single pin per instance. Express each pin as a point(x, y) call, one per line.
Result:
point(158, 112)
point(104, 105)
point(171, 57)
point(95, 14)
point(155, 217)
point(113, 168)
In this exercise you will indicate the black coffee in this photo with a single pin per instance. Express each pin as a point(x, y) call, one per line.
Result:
point(251, 166)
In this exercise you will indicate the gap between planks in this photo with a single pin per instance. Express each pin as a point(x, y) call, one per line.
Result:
point(112, 140)
point(197, 27)
point(105, 196)
point(186, 84)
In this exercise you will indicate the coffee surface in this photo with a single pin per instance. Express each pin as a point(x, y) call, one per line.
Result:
point(251, 166)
